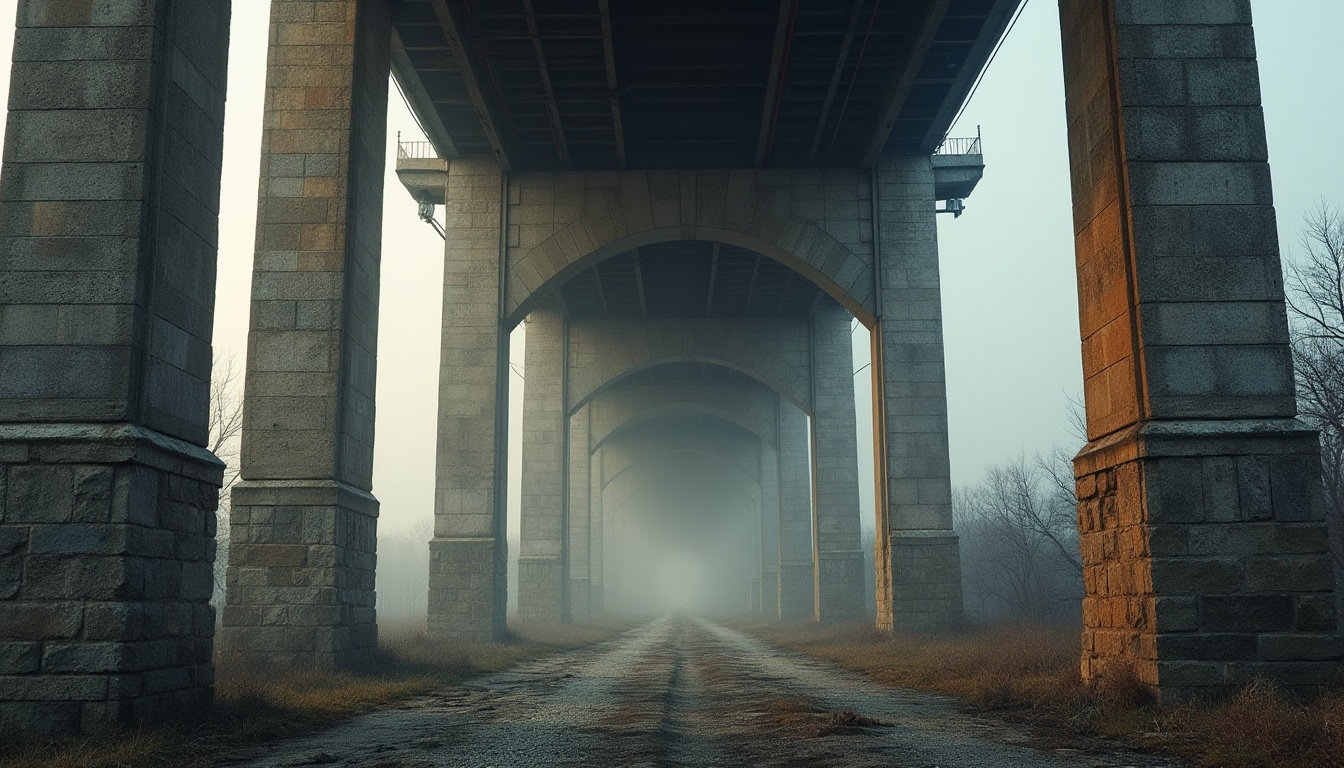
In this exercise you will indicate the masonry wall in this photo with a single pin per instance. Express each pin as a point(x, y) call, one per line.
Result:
point(109, 201)
point(1202, 530)
point(301, 574)
point(816, 221)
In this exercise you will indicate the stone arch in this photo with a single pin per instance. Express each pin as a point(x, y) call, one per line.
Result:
point(626, 482)
point(630, 452)
point(776, 353)
point(817, 222)
point(617, 409)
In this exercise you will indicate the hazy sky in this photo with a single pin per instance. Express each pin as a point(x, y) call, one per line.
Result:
point(1009, 300)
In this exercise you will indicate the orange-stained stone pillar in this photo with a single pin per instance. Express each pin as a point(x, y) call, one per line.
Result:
point(1203, 537)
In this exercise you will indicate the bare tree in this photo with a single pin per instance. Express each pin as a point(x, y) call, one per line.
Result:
point(1315, 297)
point(226, 427)
point(1020, 540)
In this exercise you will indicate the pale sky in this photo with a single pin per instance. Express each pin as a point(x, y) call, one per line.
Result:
point(1009, 297)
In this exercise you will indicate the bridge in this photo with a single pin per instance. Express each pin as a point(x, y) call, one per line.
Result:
point(688, 205)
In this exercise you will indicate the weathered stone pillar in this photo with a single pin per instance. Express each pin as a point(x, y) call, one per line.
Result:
point(579, 535)
point(835, 469)
point(796, 570)
point(541, 553)
point(303, 521)
point(109, 201)
point(596, 553)
point(769, 562)
point(468, 562)
point(1200, 510)
point(918, 567)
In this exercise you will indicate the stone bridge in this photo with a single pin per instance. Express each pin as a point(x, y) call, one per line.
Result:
point(689, 248)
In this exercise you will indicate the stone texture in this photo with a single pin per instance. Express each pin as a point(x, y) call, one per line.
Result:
point(796, 591)
point(578, 529)
point(776, 353)
point(918, 568)
point(109, 200)
point(300, 581)
point(107, 546)
point(1200, 515)
point(543, 542)
point(468, 563)
point(816, 221)
point(769, 534)
point(835, 470)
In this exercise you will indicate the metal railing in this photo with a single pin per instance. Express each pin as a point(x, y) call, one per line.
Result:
point(415, 150)
point(961, 146)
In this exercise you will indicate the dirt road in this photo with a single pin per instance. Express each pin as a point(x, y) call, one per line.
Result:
point(677, 692)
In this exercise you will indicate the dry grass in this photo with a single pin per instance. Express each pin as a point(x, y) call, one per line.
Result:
point(1030, 674)
point(254, 704)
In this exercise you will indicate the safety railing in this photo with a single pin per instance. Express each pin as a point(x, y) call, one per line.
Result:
point(415, 150)
point(960, 146)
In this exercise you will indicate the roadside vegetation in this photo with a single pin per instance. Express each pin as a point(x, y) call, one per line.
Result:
point(254, 704)
point(1029, 674)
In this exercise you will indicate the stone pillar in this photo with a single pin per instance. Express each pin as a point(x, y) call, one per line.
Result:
point(596, 553)
point(796, 571)
point(541, 554)
point(304, 523)
point(1203, 538)
point(579, 533)
point(918, 567)
point(109, 196)
point(468, 561)
point(835, 469)
point(769, 562)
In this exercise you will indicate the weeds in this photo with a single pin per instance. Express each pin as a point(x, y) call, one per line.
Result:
point(1030, 674)
point(254, 704)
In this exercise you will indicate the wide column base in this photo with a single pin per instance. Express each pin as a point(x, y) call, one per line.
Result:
point(1206, 558)
point(540, 584)
point(754, 595)
point(106, 569)
point(796, 582)
point(467, 579)
point(596, 602)
point(580, 602)
point(770, 594)
point(840, 587)
point(922, 591)
point(300, 588)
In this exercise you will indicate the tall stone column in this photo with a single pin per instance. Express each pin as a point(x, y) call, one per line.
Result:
point(304, 523)
point(468, 561)
point(109, 201)
point(541, 553)
point(769, 562)
point(579, 531)
point(596, 524)
point(835, 469)
point(1200, 509)
point(796, 570)
point(918, 566)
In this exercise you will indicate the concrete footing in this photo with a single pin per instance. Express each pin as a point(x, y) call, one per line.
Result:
point(796, 582)
point(301, 574)
point(539, 589)
point(106, 556)
point(1221, 574)
point(925, 591)
point(466, 589)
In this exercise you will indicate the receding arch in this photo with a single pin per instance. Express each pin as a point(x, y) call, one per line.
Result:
point(690, 462)
point(775, 353)
point(753, 407)
point(725, 451)
point(787, 216)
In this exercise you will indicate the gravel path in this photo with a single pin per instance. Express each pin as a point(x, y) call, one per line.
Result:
point(676, 692)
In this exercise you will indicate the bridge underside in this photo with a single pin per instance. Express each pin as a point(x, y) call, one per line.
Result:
point(696, 197)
